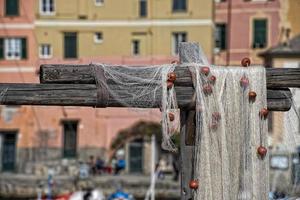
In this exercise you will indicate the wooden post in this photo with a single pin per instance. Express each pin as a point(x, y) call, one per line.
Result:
point(188, 53)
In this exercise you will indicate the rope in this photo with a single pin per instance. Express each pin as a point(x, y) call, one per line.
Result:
point(102, 90)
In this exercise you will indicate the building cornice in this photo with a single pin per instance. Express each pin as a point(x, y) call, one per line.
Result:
point(124, 23)
point(14, 69)
point(17, 26)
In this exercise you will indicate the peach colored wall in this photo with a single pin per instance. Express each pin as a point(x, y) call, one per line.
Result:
point(25, 21)
point(26, 12)
point(242, 15)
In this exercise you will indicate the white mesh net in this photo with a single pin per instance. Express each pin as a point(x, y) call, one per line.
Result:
point(149, 89)
point(228, 132)
point(229, 128)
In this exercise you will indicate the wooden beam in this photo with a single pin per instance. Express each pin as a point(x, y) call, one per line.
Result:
point(83, 74)
point(188, 52)
point(86, 95)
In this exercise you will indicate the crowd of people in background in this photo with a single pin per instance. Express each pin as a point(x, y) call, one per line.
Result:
point(98, 166)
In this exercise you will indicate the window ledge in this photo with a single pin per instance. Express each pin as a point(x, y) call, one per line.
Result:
point(47, 13)
point(99, 4)
point(98, 41)
point(45, 57)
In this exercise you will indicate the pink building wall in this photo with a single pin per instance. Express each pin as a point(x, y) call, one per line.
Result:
point(242, 15)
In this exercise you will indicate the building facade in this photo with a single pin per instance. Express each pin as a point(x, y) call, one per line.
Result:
point(36, 32)
point(244, 28)
point(17, 64)
point(127, 32)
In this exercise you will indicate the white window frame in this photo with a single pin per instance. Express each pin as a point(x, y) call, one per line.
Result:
point(12, 46)
point(180, 39)
point(99, 2)
point(47, 12)
point(45, 56)
point(96, 39)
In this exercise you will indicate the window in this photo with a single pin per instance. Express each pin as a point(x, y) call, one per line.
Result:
point(70, 139)
point(70, 45)
point(45, 51)
point(220, 37)
point(12, 7)
point(98, 37)
point(13, 48)
point(9, 150)
point(259, 33)
point(177, 38)
point(8, 112)
point(99, 2)
point(179, 5)
point(47, 7)
point(143, 8)
point(135, 47)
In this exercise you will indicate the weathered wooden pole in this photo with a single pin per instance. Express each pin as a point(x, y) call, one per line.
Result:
point(86, 95)
point(188, 53)
point(83, 74)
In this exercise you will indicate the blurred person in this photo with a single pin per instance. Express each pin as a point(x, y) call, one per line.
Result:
point(175, 164)
point(84, 170)
point(99, 165)
point(159, 174)
point(92, 165)
point(120, 165)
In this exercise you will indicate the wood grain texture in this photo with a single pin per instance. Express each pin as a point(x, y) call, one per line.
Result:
point(83, 74)
point(86, 95)
point(188, 52)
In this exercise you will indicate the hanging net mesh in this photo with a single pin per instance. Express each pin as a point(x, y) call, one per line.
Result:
point(229, 130)
point(147, 86)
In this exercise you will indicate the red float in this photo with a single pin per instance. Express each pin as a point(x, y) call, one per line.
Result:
point(262, 151)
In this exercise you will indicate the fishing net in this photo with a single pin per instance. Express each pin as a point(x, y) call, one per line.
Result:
point(146, 86)
point(229, 130)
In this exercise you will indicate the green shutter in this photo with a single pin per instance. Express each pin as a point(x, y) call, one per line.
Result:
point(260, 33)
point(223, 36)
point(70, 45)
point(24, 48)
point(1, 48)
point(12, 7)
point(220, 36)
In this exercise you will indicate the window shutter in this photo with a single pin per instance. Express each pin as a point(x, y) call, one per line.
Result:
point(70, 45)
point(260, 33)
point(24, 48)
point(1, 48)
point(12, 7)
point(223, 36)
point(179, 5)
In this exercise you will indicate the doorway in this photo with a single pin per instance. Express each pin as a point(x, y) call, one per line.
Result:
point(136, 156)
point(8, 156)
